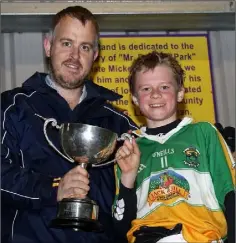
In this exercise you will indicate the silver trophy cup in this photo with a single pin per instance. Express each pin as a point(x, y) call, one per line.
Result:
point(86, 145)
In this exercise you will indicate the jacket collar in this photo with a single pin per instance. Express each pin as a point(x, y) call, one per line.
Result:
point(37, 82)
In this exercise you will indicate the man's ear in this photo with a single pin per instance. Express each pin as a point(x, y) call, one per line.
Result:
point(135, 100)
point(47, 43)
point(180, 94)
point(95, 54)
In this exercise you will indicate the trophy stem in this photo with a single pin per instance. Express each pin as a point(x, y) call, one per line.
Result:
point(84, 165)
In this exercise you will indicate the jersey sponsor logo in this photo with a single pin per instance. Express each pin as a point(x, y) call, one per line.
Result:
point(163, 152)
point(167, 185)
point(192, 156)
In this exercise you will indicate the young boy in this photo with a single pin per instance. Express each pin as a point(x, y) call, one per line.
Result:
point(175, 181)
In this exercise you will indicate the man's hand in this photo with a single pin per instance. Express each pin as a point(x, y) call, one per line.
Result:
point(128, 159)
point(74, 183)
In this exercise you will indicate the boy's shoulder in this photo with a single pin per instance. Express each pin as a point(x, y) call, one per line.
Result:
point(204, 126)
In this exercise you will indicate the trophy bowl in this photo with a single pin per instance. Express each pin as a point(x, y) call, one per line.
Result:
point(86, 145)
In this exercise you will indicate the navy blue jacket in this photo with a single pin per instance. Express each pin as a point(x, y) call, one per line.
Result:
point(29, 164)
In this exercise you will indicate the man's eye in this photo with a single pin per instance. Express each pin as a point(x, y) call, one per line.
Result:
point(66, 43)
point(86, 48)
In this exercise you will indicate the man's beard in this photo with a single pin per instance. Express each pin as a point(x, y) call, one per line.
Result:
point(64, 82)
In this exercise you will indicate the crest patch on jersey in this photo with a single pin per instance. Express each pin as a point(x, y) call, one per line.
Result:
point(192, 155)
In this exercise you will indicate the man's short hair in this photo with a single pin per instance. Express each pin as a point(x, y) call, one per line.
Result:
point(78, 12)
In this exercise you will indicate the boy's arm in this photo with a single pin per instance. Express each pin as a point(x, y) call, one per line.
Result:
point(126, 169)
point(124, 211)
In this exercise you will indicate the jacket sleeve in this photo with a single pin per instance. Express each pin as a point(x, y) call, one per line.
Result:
point(21, 188)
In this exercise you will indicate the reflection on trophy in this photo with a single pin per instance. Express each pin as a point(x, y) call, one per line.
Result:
point(85, 145)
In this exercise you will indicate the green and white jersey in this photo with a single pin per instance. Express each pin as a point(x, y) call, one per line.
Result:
point(183, 178)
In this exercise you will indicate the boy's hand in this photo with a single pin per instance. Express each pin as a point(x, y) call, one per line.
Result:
point(128, 159)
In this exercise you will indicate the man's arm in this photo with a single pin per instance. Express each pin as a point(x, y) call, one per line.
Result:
point(21, 187)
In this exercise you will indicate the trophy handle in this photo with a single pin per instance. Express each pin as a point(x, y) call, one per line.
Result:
point(54, 124)
point(123, 137)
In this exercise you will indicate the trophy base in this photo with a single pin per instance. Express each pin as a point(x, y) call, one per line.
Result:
point(87, 225)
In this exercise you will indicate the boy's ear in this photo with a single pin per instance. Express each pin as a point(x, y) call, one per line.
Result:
point(47, 42)
point(180, 95)
point(135, 100)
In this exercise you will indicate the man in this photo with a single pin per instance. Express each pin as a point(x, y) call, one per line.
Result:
point(34, 176)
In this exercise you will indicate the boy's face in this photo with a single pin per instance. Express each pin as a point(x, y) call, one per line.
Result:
point(157, 95)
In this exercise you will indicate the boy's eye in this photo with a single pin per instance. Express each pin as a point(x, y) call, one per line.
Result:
point(165, 87)
point(146, 90)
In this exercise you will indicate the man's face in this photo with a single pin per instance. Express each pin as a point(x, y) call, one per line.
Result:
point(72, 52)
point(157, 94)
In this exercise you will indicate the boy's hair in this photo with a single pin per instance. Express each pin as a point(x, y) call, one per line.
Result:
point(78, 12)
point(150, 61)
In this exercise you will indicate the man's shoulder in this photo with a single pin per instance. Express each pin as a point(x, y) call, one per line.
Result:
point(109, 106)
point(119, 115)
point(113, 111)
point(98, 90)
point(27, 89)
point(9, 97)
